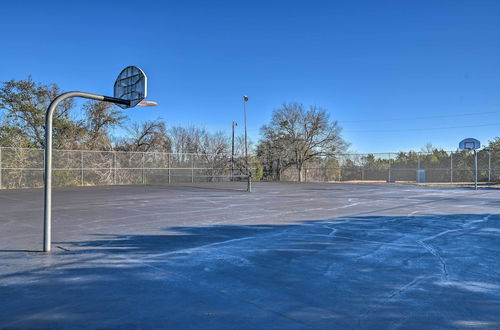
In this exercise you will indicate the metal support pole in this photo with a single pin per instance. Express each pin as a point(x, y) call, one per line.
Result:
point(451, 167)
point(142, 169)
point(48, 156)
point(389, 168)
point(81, 168)
point(114, 167)
point(489, 167)
point(192, 168)
point(279, 169)
point(245, 100)
point(168, 169)
point(232, 148)
point(249, 184)
point(0, 167)
point(475, 169)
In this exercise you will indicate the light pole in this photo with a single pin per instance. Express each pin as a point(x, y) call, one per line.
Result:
point(232, 149)
point(245, 100)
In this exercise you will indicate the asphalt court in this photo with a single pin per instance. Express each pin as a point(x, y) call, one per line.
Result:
point(286, 256)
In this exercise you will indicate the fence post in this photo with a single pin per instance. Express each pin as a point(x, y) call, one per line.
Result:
point(192, 168)
point(451, 167)
point(81, 168)
point(279, 169)
point(489, 166)
point(249, 183)
point(389, 168)
point(212, 171)
point(142, 168)
point(168, 169)
point(0, 167)
point(114, 167)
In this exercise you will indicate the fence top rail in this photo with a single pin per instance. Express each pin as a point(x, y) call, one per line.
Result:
point(122, 151)
point(395, 153)
point(390, 154)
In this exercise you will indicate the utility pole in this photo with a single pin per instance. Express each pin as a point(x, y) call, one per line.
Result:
point(245, 100)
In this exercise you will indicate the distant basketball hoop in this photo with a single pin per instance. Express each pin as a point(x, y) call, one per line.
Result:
point(468, 145)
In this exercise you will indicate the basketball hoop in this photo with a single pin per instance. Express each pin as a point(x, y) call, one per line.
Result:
point(471, 144)
point(129, 90)
point(145, 103)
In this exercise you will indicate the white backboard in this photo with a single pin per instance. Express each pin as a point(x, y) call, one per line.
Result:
point(132, 85)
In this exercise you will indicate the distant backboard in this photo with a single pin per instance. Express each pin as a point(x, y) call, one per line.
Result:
point(469, 144)
point(131, 85)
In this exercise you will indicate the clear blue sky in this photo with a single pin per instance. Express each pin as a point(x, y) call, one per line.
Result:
point(361, 60)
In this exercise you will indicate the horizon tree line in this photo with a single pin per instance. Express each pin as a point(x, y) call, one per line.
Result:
point(296, 137)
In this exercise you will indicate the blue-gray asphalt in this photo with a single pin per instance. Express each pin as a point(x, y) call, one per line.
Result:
point(287, 256)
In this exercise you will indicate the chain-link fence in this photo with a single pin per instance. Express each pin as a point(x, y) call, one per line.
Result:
point(24, 167)
point(422, 167)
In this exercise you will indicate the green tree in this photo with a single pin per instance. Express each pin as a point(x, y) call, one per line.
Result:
point(494, 144)
point(23, 104)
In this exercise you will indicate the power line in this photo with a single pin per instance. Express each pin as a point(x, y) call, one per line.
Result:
point(423, 117)
point(423, 129)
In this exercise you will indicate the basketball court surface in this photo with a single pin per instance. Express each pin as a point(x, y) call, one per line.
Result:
point(286, 256)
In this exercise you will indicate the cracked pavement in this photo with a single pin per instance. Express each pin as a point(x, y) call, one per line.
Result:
point(287, 256)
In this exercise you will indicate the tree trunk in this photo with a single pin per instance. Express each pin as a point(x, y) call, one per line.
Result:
point(299, 168)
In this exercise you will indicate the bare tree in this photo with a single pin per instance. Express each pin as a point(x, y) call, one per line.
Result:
point(215, 143)
point(300, 135)
point(212, 148)
point(147, 136)
point(101, 117)
point(189, 139)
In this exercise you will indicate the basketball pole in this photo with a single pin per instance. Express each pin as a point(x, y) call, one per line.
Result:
point(475, 169)
point(468, 145)
point(48, 155)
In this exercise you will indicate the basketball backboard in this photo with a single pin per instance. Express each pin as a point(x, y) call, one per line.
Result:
point(469, 144)
point(131, 85)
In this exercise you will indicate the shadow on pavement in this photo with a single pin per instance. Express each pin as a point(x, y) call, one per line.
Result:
point(430, 271)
